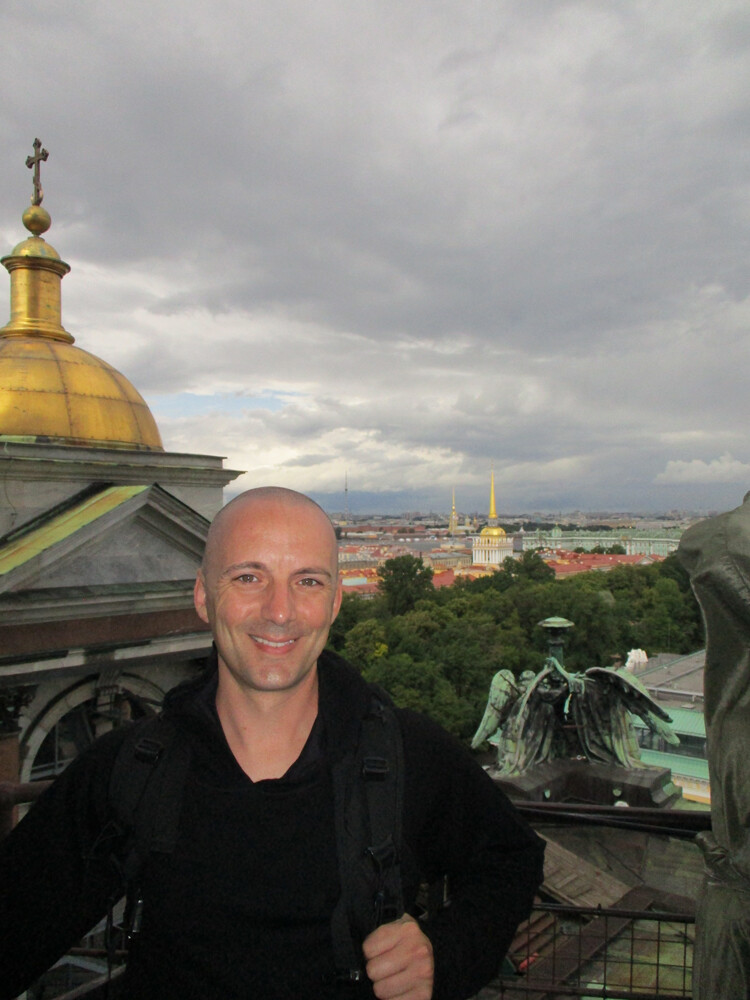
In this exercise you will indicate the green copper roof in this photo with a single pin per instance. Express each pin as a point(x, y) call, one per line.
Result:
point(688, 767)
point(556, 622)
point(61, 526)
point(685, 721)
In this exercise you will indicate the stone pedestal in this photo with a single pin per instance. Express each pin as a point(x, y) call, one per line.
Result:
point(598, 784)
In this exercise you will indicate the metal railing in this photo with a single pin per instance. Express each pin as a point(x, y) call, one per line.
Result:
point(104, 987)
point(592, 952)
point(682, 824)
point(561, 952)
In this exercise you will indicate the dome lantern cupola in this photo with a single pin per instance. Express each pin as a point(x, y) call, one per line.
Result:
point(50, 391)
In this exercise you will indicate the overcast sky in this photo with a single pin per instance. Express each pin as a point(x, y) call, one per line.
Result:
point(406, 240)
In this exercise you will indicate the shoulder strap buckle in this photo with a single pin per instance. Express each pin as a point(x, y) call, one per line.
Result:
point(375, 768)
point(384, 855)
point(148, 750)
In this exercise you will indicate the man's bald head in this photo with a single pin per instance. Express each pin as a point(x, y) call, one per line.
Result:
point(269, 588)
point(255, 500)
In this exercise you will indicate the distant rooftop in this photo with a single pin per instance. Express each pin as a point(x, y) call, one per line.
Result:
point(675, 679)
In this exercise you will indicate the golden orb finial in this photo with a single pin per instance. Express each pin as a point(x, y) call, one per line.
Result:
point(36, 219)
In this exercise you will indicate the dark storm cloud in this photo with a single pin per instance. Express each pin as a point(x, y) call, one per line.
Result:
point(513, 233)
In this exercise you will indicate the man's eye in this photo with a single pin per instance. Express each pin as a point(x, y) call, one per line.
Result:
point(246, 578)
point(310, 581)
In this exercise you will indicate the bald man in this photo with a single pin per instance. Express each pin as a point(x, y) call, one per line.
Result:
point(243, 904)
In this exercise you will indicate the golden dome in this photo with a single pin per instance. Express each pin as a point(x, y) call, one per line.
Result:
point(495, 532)
point(50, 391)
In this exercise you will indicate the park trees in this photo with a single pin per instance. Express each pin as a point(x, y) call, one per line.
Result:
point(365, 642)
point(404, 581)
point(437, 650)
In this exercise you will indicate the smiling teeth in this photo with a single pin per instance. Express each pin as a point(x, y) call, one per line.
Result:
point(276, 645)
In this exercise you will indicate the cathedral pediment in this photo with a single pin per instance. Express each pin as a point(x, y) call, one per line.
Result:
point(108, 538)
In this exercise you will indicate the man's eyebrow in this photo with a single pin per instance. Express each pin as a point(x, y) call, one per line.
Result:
point(242, 565)
point(314, 571)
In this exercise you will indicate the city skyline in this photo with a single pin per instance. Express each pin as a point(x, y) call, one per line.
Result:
point(364, 242)
point(361, 505)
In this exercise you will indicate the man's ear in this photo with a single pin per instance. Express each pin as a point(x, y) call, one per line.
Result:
point(199, 597)
point(337, 600)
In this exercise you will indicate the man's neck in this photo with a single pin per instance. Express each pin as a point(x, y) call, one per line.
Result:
point(266, 730)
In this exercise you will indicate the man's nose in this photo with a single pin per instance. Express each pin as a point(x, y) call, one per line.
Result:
point(279, 604)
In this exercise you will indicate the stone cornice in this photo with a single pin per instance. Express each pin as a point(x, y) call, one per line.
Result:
point(50, 462)
point(65, 603)
point(125, 656)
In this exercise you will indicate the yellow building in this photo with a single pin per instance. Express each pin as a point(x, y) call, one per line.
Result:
point(491, 546)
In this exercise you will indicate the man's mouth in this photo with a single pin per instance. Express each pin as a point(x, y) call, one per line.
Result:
point(270, 642)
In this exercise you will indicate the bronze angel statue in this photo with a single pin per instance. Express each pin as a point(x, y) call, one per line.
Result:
point(556, 714)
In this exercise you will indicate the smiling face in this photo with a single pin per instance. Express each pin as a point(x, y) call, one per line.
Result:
point(269, 588)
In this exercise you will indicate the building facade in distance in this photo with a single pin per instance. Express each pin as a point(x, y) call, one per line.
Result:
point(491, 546)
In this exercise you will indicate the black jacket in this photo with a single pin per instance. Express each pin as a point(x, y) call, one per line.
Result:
point(242, 907)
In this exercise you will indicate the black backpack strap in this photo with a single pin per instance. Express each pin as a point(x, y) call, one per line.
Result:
point(368, 798)
point(145, 791)
point(144, 796)
point(382, 769)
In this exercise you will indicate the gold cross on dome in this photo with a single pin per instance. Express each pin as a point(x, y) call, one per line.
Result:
point(34, 161)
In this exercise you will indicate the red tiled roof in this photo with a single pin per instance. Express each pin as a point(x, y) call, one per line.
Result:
point(362, 588)
point(370, 572)
point(568, 563)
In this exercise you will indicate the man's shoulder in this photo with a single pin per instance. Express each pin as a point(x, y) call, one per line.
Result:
point(78, 798)
point(330, 662)
point(99, 756)
point(347, 694)
point(431, 749)
point(92, 770)
point(342, 684)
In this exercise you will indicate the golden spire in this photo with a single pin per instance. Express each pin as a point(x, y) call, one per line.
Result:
point(453, 520)
point(492, 527)
point(50, 391)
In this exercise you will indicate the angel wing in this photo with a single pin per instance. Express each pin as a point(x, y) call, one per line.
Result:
point(503, 694)
point(603, 716)
point(532, 732)
point(642, 704)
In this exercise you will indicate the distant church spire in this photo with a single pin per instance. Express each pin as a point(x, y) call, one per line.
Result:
point(453, 521)
point(492, 519)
